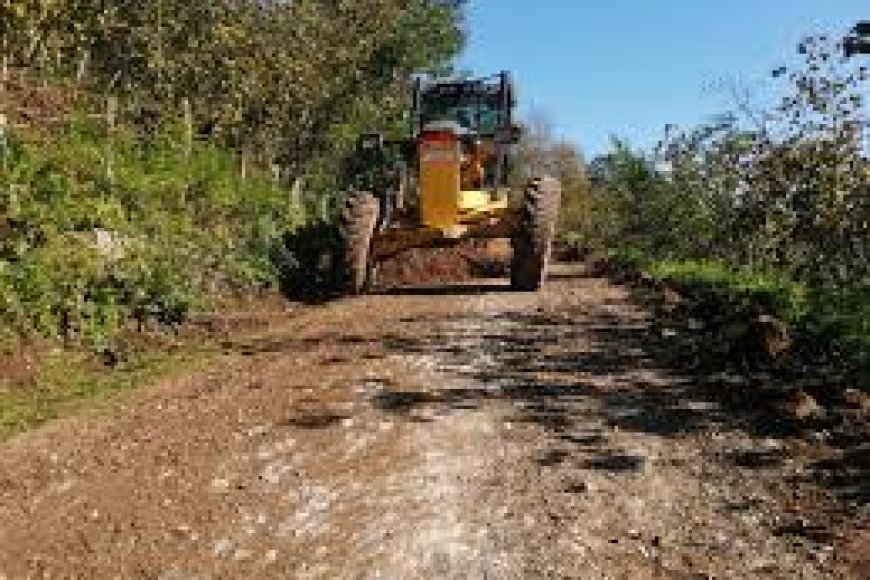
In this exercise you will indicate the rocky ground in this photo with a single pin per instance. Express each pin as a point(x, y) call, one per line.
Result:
point(454, 432)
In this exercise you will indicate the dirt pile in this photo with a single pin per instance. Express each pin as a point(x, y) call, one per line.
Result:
point(424, 266)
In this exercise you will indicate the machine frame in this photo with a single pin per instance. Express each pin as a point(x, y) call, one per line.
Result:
point(456, 159)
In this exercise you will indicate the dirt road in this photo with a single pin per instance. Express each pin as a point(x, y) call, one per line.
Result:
point(471, 433)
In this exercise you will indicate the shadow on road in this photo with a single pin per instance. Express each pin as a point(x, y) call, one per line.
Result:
point(630, 372)
point(458, 289)
point(639, 378)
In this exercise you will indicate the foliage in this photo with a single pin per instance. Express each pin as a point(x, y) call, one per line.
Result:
point(99, 227)
point(292, 82)
point(789, 186)
point(81, 253)
point(65, 380)
point(781, 295)
point(782, 191)
point(634, 205)
point(540, 152)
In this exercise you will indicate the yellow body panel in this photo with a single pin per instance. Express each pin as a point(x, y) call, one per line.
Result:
point(476, 202)
point(440, 184)
point(444, 203)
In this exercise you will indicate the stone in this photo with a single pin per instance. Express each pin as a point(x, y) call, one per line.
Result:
point(222, 547)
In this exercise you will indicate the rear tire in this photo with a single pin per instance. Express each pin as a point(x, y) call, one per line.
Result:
point(357, 223)
point(533, 239)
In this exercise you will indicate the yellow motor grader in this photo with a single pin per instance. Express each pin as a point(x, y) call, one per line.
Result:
point(447, 181)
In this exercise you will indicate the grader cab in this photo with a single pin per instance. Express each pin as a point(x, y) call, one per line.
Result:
point(448, 180)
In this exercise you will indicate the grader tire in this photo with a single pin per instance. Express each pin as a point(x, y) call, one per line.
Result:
point(357, 223)
point(533, 239)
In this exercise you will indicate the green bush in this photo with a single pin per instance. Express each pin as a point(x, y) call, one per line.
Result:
point(99, 230)
point(775, 292)
point(772, 213)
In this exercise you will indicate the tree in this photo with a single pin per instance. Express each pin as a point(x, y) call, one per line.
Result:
point(293, 81)
point(789, 193)
point(539, 153)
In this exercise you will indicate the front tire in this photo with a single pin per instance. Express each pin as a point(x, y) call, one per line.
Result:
point(357, 223)
point(533, 238)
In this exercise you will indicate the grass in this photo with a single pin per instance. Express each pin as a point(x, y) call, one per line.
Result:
point(788, 299)
point(837, 320)
point(65, 381)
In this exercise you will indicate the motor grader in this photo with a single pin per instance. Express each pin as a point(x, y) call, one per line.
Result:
point(448, 180)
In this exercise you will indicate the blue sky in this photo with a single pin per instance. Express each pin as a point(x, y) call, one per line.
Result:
point(628, 67)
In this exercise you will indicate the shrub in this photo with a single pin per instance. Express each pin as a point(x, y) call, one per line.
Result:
point(101, 230)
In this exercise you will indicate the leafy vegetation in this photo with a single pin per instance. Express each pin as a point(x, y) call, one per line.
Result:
point(82, 253)
point(289, 83)
point(66, 380)
point(768, 204)
point(778, 293)
point(540, 152)
point(224, 125)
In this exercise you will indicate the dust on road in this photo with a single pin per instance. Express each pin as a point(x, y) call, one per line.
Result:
point(465, 433)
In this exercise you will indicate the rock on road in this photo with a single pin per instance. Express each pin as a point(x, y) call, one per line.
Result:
point(465, 433)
